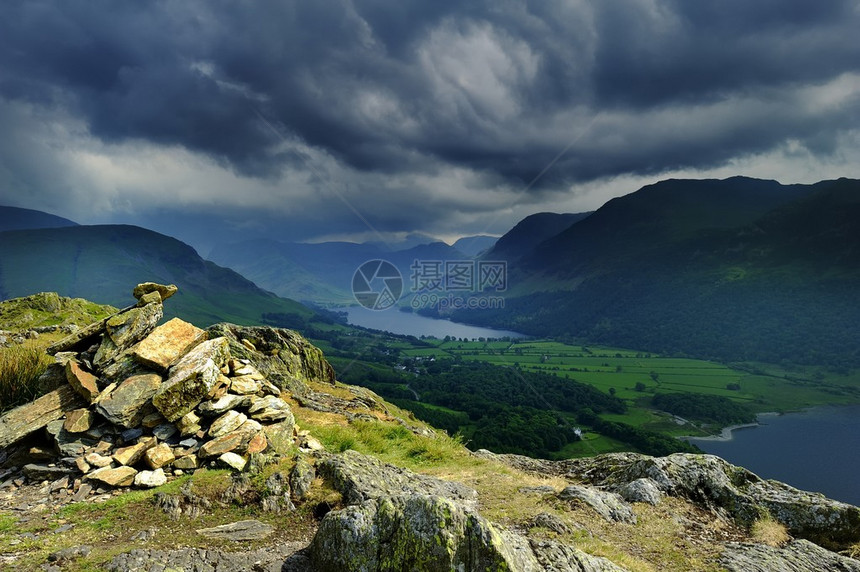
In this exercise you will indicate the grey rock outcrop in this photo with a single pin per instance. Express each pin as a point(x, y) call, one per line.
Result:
point(608, 505)
point(714, 483)
point(280, 558)
point(359, 477)
point(797, 556)
point(641, 490)
point(431, 533)
point(282, 356)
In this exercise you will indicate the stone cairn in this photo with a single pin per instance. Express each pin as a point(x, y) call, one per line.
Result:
point(138, 402)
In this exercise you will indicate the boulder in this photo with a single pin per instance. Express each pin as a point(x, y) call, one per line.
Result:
point(224, 404)
point(360, 477)
point(641, 490)
point(164, 291)
point(118, 477)
point(191, 379)
point(221, 445)
point(233, 460)
point(85, 383)
point(123, 406)
point(167, 343)
point(133, 453)
point(125, 329)
point(257, 444)
point(159, 456)
point(608, 505)
point(186, 463)
point(245, 385)
point(279, 436)
point(97, 460)
point(188, 424)
point(430, 533)
point(78, 421)
point(550, 522)
point(78, 340)
point(270, 408)
point(36, 472)
point(302, 477)
point(415, 532)
point(227, 423)
point(150, 479)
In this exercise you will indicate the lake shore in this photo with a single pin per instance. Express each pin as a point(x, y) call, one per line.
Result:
point(726, 434)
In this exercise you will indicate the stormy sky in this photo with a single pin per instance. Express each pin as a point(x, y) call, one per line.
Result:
point(317, 119)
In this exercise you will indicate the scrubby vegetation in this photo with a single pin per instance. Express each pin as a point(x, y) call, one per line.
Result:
point(20, 368)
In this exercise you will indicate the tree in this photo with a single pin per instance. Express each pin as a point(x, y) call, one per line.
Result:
point(612, 391)
point(640, 386)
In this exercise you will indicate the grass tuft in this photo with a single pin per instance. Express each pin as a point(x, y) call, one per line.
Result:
point(20, 368)
point(768, 531)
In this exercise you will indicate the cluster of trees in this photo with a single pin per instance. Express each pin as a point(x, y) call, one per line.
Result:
point(701, 407)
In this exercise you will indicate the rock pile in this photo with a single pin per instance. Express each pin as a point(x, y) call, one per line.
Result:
point(136, 402)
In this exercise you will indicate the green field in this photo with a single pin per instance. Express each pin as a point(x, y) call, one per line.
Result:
point(763, 387)
point(387, 363)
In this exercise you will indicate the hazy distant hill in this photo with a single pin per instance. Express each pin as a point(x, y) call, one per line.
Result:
point(319, 273)
point(14, 218)
point(530, 232)
point(474, 245)
point(739, 269)
point(103, 264)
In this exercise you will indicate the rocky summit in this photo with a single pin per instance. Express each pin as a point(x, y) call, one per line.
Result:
point(246, 454)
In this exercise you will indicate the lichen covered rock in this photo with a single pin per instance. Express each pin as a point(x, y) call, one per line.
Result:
point(284, 357)
point(427, 533)
point(360, 477)
point(191, 379)
point(608, 505)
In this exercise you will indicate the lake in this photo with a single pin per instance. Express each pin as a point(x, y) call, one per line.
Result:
point(409, 324)
point(817, 450)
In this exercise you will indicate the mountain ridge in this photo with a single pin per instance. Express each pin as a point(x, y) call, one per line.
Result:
point(102, 262)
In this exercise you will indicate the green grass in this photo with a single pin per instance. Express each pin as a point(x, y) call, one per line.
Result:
point(391, 442)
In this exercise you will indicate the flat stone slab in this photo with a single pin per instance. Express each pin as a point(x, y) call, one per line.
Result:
point(123, 406)
point(21, 421)
point(244, 530)
point(167, 343)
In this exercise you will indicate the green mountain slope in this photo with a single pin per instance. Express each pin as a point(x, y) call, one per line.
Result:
point(103, 263)
point(530, 232)
point(737, 269)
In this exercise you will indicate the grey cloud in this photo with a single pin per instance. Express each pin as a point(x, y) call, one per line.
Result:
point(410, 88)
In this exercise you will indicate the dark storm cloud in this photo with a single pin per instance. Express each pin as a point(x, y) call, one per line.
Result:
point(409, 87)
